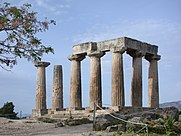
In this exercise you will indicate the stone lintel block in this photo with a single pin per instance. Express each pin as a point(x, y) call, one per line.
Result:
point(84, 47)
point(106, 45)
point(97, 54)
point(118, 49)
point(42, 64)
point(135, 53)
point(152, 57)
point(141, 46)
point(76, 57)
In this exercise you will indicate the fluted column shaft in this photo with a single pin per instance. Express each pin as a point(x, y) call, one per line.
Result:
point(57, 94)
point(95, 79)
point(136, 83)
point(41, 85)
point(75, 82)
point(117, 95)
point(153, 88)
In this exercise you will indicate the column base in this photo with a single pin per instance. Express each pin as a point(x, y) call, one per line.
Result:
point(76, 108)
point(116, 108)
point(39, 113)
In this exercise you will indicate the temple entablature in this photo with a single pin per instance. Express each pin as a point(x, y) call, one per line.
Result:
point(117, 44)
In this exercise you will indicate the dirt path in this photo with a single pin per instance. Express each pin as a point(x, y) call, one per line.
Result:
point(33, 127)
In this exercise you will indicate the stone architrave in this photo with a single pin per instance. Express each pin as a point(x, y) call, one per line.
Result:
point(153, 88)
point(41, 87)
point(117, 95)
point(95, 79)
point(136, 83)
point(75, 82)
point(57, 94)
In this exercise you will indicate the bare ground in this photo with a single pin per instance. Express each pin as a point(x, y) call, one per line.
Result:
point(31, 127)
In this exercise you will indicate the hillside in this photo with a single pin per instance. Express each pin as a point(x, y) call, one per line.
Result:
point(169, 104)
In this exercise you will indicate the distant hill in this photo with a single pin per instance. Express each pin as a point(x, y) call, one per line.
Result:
point(169, 104)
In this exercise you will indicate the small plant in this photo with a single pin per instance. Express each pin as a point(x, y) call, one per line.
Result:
point(118, 133)
point(169, 122)
point(116, 122)
point(130, 130)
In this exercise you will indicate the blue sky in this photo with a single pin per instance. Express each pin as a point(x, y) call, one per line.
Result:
point(154, 21)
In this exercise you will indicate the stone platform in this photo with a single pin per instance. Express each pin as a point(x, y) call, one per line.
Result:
point(87, 113)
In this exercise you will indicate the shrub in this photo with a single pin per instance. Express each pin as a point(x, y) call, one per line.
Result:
point(169, 122)
point(7, 111)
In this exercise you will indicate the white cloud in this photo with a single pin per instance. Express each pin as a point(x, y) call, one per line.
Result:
point(147, 29)
point(48, 5)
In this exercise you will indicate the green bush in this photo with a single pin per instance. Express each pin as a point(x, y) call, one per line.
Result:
point(7, 111)
point(169, 122)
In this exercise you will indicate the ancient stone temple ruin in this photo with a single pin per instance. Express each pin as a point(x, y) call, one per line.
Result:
point(95, 50)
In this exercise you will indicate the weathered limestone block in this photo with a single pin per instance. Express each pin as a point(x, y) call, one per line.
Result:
point(136, 83)
point(41, 86)
point(95, 79)
point(57, 94)
point(117, 97)
point(153, 88)
point(106, 45)
point(75, 82)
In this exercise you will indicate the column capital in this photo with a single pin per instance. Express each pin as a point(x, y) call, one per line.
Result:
point(97, 54)
point(135, 53)
point(118, 49)
point(41, 64)
point(152, 57)
point(77, 57)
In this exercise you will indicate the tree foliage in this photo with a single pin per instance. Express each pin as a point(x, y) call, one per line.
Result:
point(8, 110)
point(18, 29)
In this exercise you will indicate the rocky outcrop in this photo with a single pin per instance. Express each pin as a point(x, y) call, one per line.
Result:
point(160, 121)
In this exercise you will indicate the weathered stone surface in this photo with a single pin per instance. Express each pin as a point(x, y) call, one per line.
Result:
point(41, 87)
point(122, 127)
point(59, 124)
point(117, 96)
point(112, 128)
point(136, 49)
point(75, 82)
point(95, 79)
point(104, 46)
point(153, 88)
point(134, 127)
point(170, 112)
point(57, 95)
point(105, 120)
point(136, 82)
point(74, 122)
point(150, 116)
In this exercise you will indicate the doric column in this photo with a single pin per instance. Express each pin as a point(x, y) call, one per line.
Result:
point(75, 82)
point(117, 95)
point(41, 86)
point(136, 83)
point(95, 79)
point(153, 87)
point(57, 94)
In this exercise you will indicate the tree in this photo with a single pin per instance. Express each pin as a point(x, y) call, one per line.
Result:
point(8, 110)
point(18, 29)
